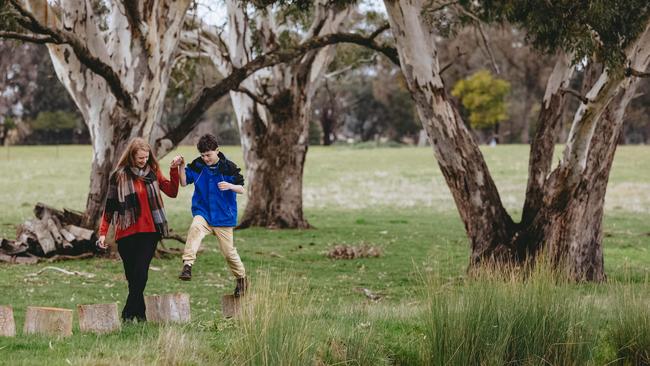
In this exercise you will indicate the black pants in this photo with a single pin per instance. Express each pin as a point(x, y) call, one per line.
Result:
point(136, 251)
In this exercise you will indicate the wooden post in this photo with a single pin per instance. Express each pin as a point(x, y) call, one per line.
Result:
point(230, 306)
point(98, 318)
point(168, 308)
point(7, 324)
point(48, 321)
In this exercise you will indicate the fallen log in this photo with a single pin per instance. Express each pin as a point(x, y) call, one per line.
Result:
point(79, 232)
point(69, 216)
point(10, 247)
point(52, 235)
point(48, 321)
point(64, 271)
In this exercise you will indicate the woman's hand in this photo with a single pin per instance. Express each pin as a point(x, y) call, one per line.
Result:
point(177, 161)
point(101, 242)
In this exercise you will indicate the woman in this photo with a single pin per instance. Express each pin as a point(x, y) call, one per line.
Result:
point(134, 207)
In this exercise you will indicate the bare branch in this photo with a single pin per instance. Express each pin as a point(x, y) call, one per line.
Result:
point(484, 37)
point(132, 16)
point(351, 66)
point(379, 31)
point(209, 95)
point(459, 54)
point(640, 74)
point(576, 94)
point(29, 22)
point(32, 38)
point(252, 95)
point(440, 7)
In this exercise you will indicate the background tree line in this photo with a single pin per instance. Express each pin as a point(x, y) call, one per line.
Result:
point(364, 97)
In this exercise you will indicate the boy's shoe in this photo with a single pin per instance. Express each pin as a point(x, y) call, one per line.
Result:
point(242, 287)
point(186, 273)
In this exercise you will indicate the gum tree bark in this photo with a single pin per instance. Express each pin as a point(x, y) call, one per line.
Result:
point(117, 77)
point(272, 106)
point(563, 209)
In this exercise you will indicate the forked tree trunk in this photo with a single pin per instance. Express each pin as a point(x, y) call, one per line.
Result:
point(563, 209)
point(275, 161)
point(274, 125)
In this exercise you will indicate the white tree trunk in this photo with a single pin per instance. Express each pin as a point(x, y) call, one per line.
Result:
point(274, 135)
point(488, 225)
point(140, 50)
point(563, 210)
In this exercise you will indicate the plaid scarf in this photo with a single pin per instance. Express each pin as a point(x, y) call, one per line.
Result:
point(122, 205)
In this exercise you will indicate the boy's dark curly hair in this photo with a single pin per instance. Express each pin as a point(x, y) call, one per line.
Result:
point(207, 142)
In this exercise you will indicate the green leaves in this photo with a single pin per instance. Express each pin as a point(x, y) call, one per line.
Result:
point(599, 29)
point(7, 17)
point(483, 96)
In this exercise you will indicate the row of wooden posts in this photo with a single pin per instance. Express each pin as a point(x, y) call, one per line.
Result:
point(103, 318)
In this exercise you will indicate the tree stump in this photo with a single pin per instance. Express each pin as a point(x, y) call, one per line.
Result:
point(48, 321)
point(7, 324)
point(98, 318)
point(230, 306)
point(168, 308)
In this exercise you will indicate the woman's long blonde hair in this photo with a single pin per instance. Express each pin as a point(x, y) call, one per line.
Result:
point(128, 156)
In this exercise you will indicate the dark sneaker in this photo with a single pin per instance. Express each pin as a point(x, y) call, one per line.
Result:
point(186, 273)
point(242, 287)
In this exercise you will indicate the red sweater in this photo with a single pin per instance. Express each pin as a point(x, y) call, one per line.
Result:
point(144, 222)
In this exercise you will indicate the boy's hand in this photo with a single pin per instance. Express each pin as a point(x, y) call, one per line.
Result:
point(177, 161)
point(224, 186)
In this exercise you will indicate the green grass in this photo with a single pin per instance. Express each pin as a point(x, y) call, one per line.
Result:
point(308, 309)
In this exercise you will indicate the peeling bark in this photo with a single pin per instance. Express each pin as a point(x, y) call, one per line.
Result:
point(487, 223)
point(140, 58)
point(274, 133)
point(563, 211)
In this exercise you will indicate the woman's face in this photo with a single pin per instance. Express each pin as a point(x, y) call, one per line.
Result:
point(141, 157)
point(210, 157)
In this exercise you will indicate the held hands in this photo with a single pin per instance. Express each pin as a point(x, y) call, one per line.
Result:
point(177, 161)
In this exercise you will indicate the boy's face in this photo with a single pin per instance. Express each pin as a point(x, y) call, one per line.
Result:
point(210, 157)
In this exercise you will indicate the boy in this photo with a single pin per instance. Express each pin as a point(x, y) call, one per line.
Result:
point(216, 180)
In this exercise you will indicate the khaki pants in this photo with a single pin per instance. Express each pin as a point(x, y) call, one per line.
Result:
point(198, 230)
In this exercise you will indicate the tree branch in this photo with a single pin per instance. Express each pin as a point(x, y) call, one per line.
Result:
point(640, 74)
point(576, 94)
point(132, 16)
point(379, 31)
point(458, 55)
point(252, 95)
point(32, 38)
point(209, 95)
point(484, 37)
point(29, 22)
point(351, 66)
point(440, 7)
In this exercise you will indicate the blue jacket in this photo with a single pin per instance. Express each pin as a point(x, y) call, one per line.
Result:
point(218, 208)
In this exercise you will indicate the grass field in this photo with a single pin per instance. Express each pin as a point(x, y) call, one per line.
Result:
point(309, 309)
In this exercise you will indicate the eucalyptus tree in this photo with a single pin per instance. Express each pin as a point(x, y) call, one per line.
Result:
point(563, 209)
point(115, 58)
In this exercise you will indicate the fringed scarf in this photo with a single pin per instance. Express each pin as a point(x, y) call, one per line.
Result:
point(122, 205)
